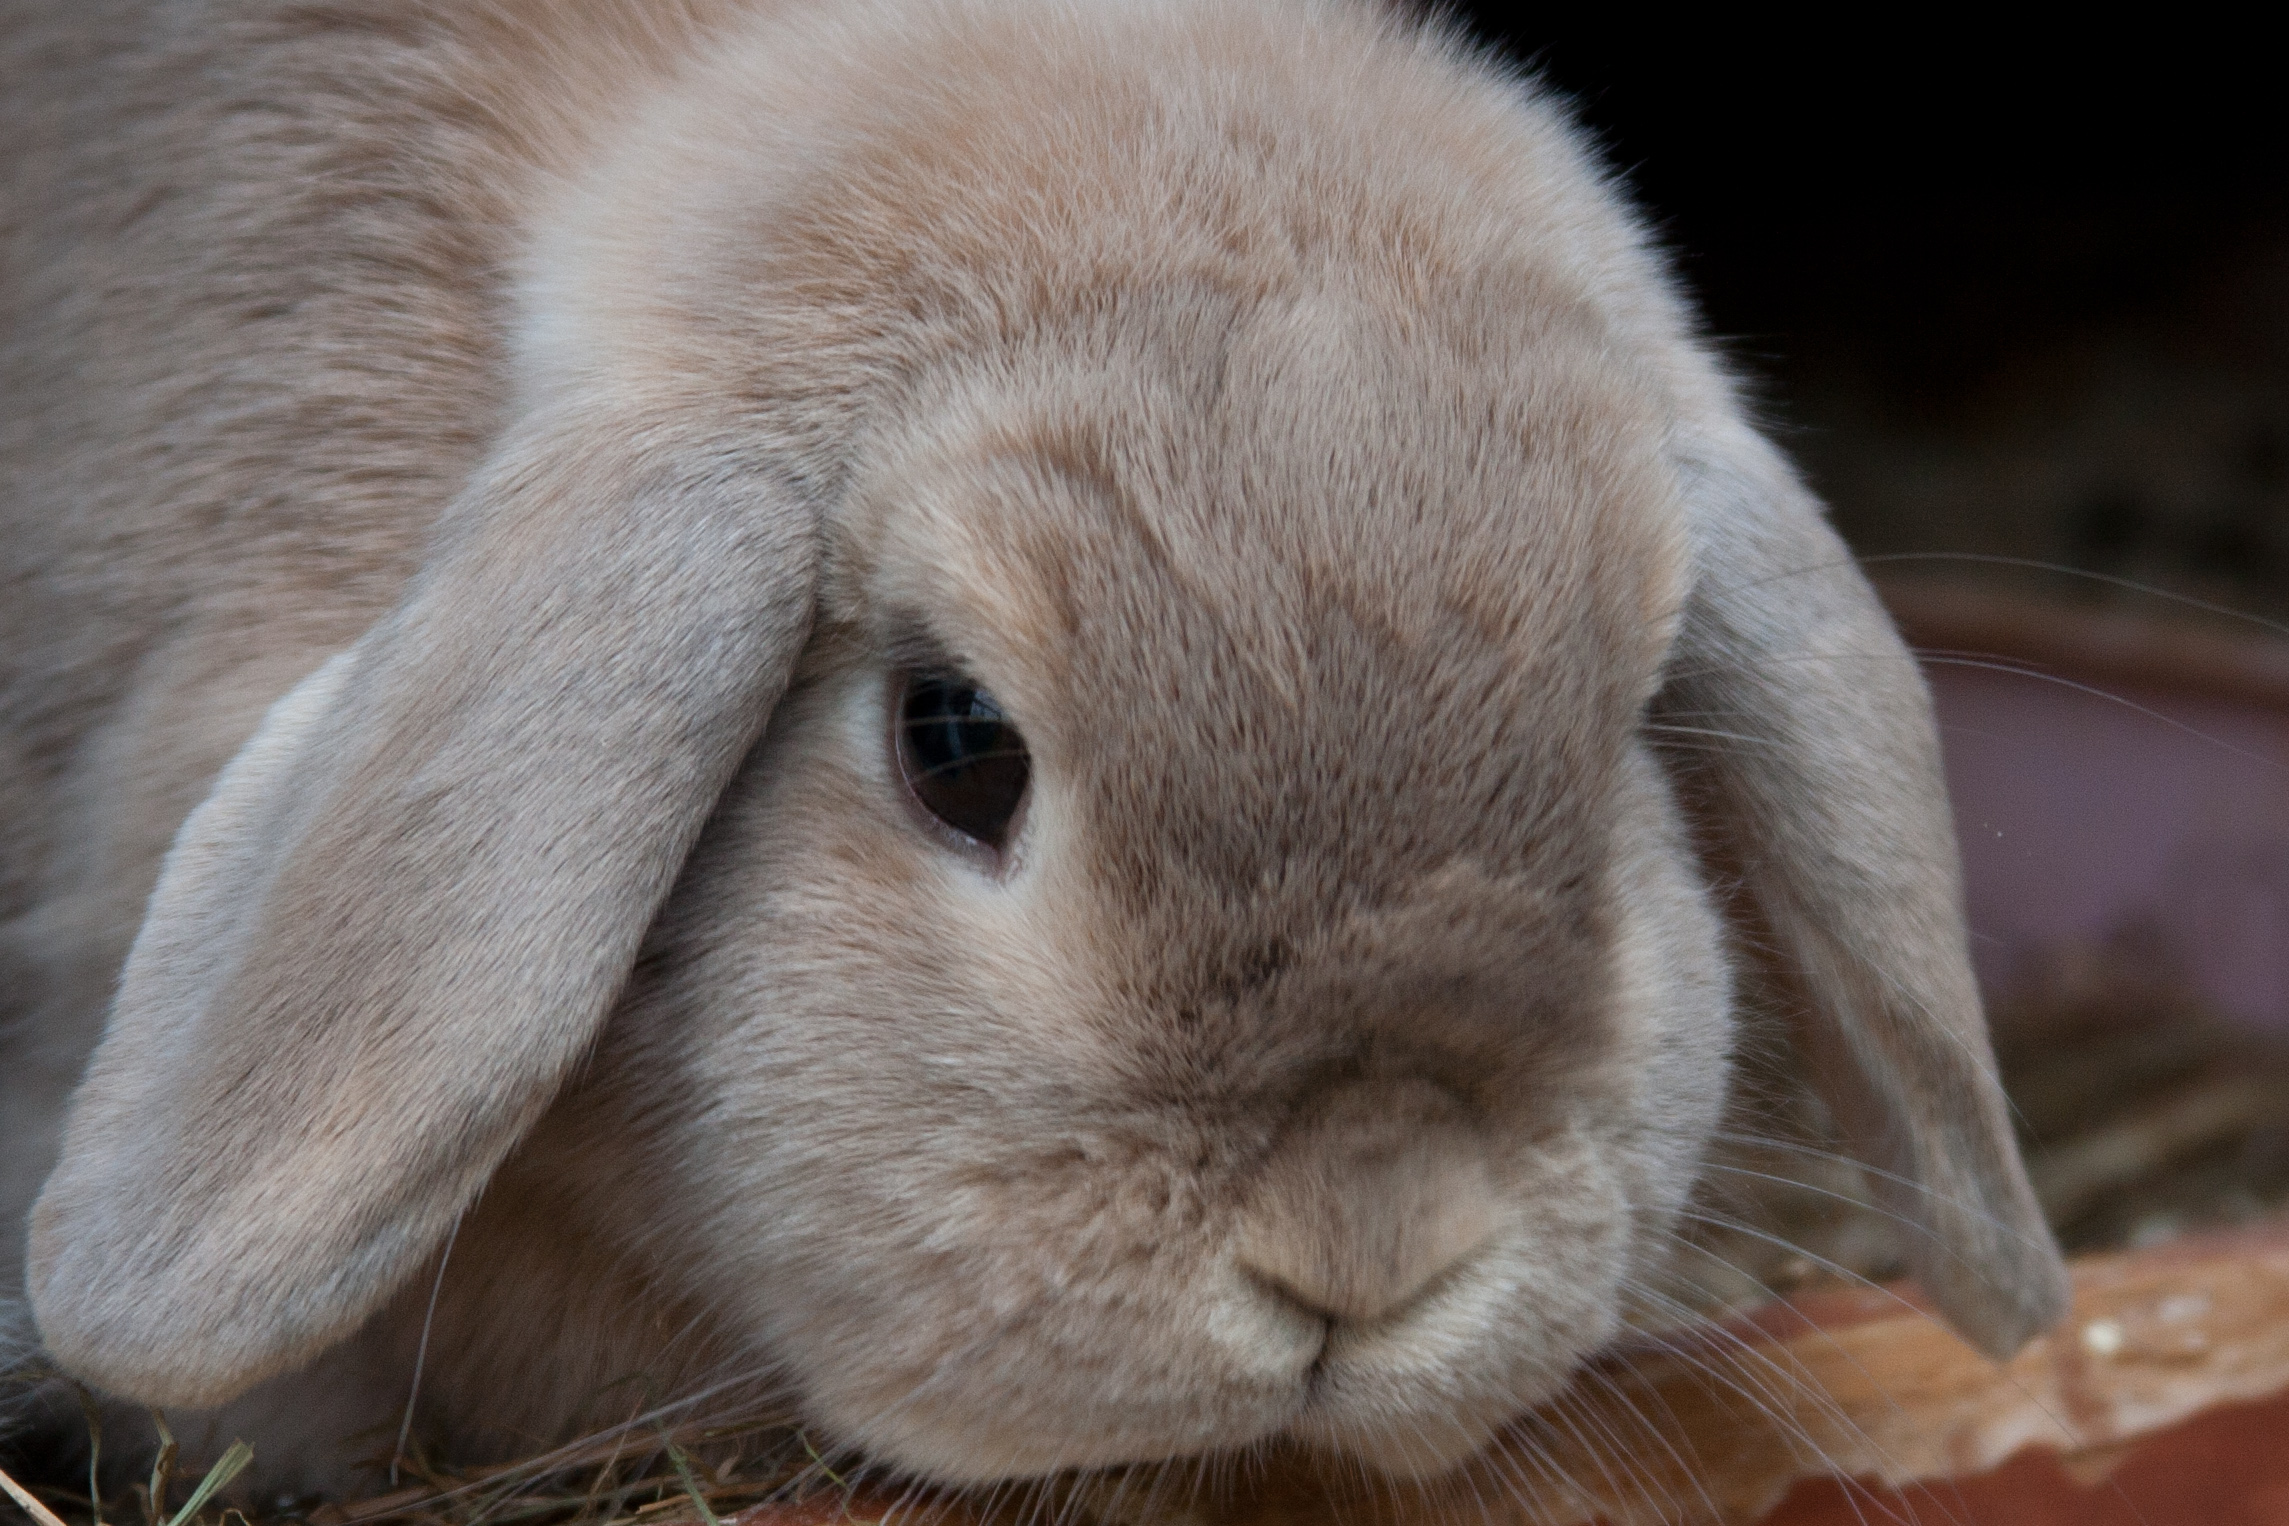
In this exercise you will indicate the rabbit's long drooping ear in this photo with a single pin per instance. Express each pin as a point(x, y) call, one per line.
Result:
point(380, 945)
point(1831, 793)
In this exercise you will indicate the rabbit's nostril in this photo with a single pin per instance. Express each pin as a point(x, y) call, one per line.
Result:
point(1359, 1237)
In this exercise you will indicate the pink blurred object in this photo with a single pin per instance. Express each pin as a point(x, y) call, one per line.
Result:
point(2115, 774)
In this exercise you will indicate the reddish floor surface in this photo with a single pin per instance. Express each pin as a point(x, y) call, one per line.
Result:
point(2227, 1467)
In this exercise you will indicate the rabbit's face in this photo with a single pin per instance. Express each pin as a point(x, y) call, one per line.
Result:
point(1328, 1044)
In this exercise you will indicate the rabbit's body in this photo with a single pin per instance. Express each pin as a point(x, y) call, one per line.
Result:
point(1270, 404)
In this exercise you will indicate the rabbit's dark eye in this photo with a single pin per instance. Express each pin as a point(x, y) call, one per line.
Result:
point(962, 758)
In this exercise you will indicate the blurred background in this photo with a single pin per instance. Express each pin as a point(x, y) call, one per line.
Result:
point(2022, 294)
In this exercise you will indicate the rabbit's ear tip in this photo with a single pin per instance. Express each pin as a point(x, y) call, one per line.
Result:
point(1986, 1259)
point(102, 1332)
point(192, 1311)
point(163, 1377)
point(2002, 1306)
point(138, 1337)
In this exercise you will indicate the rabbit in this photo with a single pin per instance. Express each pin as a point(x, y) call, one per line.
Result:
point(967, 710)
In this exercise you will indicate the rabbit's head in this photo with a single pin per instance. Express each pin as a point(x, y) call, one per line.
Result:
point(1057, 679)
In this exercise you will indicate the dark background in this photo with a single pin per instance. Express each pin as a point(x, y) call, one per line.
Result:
point(2020, 295)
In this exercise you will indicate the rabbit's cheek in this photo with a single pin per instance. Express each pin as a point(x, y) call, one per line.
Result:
point(1080, 1377)
point(1673, 1043)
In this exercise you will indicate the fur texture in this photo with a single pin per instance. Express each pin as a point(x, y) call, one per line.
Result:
point(500, 458)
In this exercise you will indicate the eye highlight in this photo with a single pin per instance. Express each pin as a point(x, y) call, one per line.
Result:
point(961, 758)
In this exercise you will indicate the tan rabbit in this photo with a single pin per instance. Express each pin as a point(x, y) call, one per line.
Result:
point(948, 706)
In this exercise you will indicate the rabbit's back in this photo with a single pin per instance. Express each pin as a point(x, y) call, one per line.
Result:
point(251, 323)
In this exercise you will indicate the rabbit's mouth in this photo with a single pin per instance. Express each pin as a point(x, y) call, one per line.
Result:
point(1410, 1376)
point(1419, 1393)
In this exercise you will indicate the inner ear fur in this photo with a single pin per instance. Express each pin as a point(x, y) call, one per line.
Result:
point(1828, 794)
point(378, 948)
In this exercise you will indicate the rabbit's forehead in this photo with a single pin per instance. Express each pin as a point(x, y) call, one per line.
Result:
point(1298, 567)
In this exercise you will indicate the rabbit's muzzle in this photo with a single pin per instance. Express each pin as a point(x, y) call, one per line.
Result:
point(1358, 1221)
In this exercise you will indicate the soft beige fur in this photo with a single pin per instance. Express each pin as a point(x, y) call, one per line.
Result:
point(498, 458)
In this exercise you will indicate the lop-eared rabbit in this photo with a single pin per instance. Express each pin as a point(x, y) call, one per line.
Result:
point(950, 706)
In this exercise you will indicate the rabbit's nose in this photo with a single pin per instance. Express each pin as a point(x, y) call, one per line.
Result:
point(1359, 1216)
